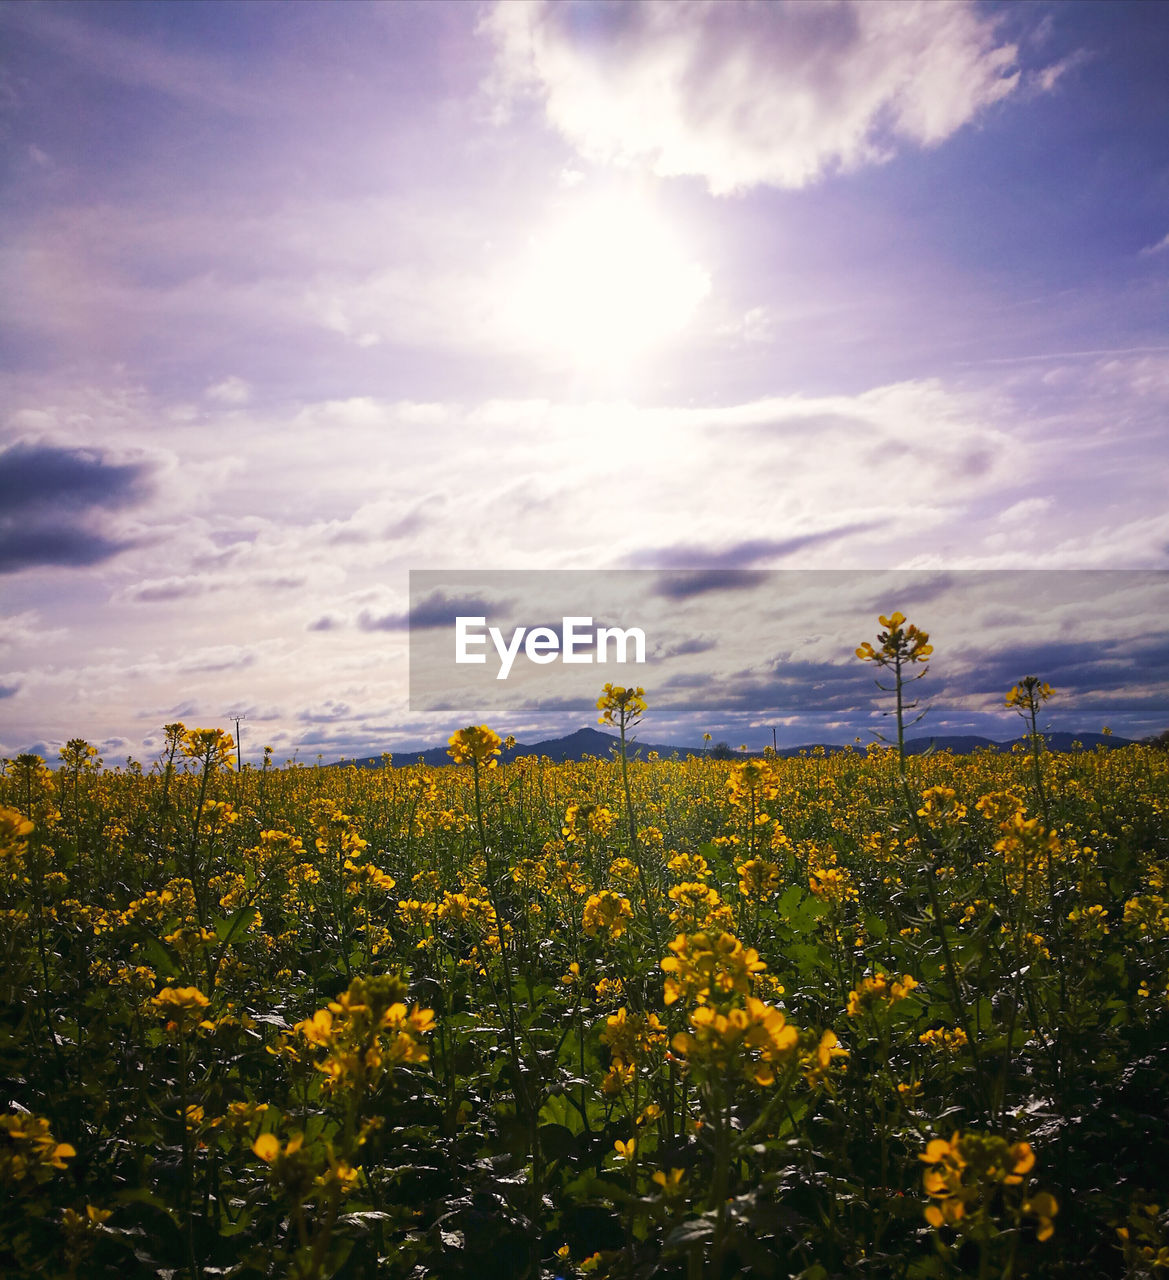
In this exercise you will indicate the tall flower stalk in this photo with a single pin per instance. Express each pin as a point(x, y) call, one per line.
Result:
point(622, 708)
point(900, 648)
point(1026, 698)
point(479, 746)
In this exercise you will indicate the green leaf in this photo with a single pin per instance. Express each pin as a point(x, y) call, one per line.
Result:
point(689, 1233)
point(233, 927)
point(559, 1142)
point(161, 958)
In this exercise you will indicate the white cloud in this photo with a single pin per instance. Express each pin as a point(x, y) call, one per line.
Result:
point(741, 95)
point(230, 391)
point(1022, 512)
point(25, 629)
point(1048, 77)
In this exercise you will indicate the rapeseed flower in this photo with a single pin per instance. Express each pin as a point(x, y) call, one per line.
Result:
point(477, 744)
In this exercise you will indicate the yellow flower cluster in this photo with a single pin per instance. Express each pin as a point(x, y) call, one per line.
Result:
point(413, 912)
point(750, 1042)
point(941, 808)
point(698, 906)
point(467, 909)
point(367, 873)
point(1027, 848)
point(999, 806)
point(606, 911)
point(759, 880)
point(967, 1172)
point(943, 1040)
point(632, 1038)
point(583, 820)
point(689, 866)
point(707, 967)
point(817, 1064)
point(530, 874)
point(1148, 914)
point(1143, 1240)
point(1090, 921)
point(1028, 694)
point(898, 643)
point(365, 1031)
point(29, 1150)
point(337, 832)
point(879, 992)
point(15, 829)
point(832, 885)
point(609, 990)
point(183, 1009)
point(621, 707)
point(476, 744)
point(212, 748)
point(298, 1170)
point(623, 871)
point(749, 783)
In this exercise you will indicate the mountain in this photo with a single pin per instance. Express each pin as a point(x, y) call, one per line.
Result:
point(591, 742)
point(584, 742)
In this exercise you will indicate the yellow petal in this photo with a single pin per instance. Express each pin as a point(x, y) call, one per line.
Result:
point(267, 1147)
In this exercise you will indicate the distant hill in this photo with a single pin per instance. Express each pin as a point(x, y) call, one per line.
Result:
point(591, 742)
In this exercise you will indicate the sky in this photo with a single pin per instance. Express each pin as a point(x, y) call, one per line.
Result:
point(297, 299)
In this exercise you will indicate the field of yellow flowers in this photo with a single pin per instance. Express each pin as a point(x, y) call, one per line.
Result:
point(836, 1016)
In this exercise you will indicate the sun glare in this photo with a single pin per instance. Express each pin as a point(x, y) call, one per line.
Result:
point(605, 283)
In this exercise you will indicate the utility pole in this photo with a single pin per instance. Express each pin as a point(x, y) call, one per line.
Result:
point(239, 751)
point(774, 743)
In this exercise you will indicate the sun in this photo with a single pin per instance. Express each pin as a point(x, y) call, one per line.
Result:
point(604, 283)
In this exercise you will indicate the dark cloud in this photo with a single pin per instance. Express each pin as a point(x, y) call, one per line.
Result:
point(906, 592)
point(326, 622)
point(9, 690)
point(367, 620)
point(556, 706)
point(434, 610)
point(28, 546)
point(1095, 683)
point(682, 586)
point(696, 644)
point(168, 589)
point(805, 689)
point(439, 610)
point(35, 476)
point(327, 714)
point(232, 661)
point(46, 495)
point(740, 555)
point(685, 680)
point(1077, 667)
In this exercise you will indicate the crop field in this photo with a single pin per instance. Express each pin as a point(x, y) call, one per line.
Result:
point(834, 1016)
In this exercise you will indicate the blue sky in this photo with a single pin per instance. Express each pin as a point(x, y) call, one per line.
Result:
point(299, 298)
